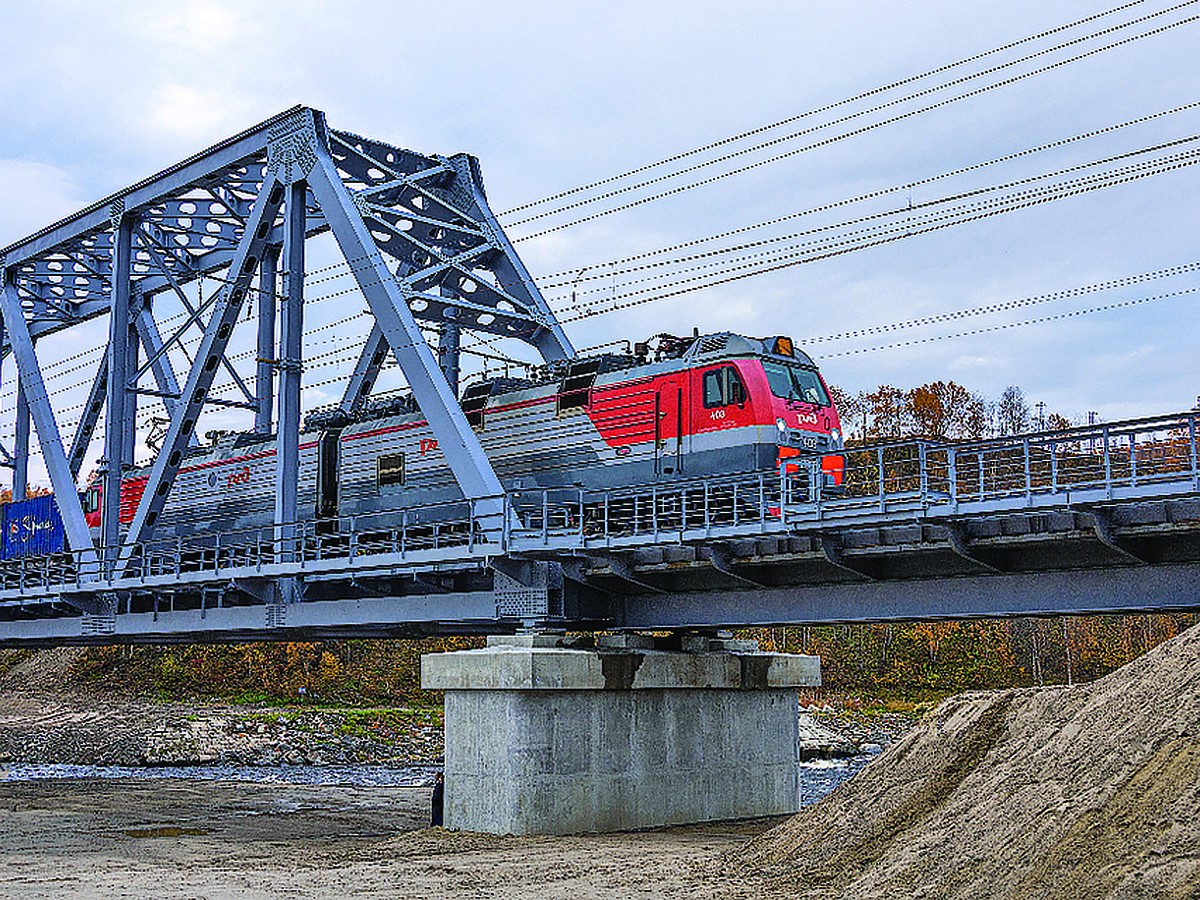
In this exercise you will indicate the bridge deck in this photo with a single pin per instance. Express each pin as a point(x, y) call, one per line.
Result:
point(1101, 519)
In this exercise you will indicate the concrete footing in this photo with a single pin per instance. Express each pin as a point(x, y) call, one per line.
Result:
point(546, 739)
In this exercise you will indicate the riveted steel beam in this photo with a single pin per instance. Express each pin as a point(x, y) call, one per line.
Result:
point(116, 421)
point(1143, 588)
point(264, 381)
point(388, 304)
point(241, 150)
point(287, 455)
point(21, 445)
point(42, 413)
point(366, 371)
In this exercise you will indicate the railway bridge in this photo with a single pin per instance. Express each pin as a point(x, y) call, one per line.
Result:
point(1103, 518)
point(623, 735)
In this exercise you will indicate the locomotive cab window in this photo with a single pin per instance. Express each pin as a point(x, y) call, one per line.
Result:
point(390, 469)
point(794, 383)
point(723, 387)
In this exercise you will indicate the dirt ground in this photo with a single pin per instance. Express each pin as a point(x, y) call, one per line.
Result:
point(1091, 791)
point(1073, 792)
point(174, 839)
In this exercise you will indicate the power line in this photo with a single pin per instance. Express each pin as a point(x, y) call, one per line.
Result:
point(826, 108)
point(1006, 305)
point(824, 142)
point(787, 257)
point(577, 271)
point(1004, 326)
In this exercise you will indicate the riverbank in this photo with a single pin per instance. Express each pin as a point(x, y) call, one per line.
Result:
point(1085, 791)
point(47, 718)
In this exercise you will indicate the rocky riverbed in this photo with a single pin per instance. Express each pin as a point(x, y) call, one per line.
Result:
point(42, 728)
point(47, 719)
point(128, 732)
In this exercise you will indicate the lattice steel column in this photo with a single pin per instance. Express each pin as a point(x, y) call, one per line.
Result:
point(264, 382)
point(131, 398)
point(21, 445)
point(49, 438)
point(449, 336)
point(287, 459)
point(116, 419)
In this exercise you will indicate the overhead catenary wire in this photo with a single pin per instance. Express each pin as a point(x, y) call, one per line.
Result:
point(1006, 305)
point(762, 129)
point(824, 142)
point(906, 210)
point(574, 276)
point(1004, 326)
point(793, 257)
point(836, 244)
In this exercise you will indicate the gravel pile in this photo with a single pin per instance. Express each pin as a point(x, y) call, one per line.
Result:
point(1088, 791)
point(44, 729)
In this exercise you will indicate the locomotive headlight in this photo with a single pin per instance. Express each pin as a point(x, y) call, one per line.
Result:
point(783, 429)
point(836, 436)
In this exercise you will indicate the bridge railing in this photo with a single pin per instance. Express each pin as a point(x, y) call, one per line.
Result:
point(661, 512)
point(434, 533)
point(1083, 464)
point(907, 479)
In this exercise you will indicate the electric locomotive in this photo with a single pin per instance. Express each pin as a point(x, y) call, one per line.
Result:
point(686, 408)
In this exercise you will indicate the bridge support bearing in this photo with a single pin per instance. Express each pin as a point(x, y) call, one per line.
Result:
point(542, 739)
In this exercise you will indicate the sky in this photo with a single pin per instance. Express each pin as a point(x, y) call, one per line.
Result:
point(553, 96)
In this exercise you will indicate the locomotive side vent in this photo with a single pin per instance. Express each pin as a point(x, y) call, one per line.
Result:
point(712, 343)
point(474, 400)
point(576, 390)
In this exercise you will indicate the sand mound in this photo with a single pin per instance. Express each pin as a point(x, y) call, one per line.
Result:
point(44, 670)
point(1090, 791)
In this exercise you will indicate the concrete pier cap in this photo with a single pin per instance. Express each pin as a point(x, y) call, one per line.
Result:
point(548, 734)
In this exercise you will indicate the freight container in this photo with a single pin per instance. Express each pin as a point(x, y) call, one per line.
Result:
point(32, 527)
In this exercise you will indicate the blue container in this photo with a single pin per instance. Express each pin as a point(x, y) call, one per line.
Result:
point(32, 527)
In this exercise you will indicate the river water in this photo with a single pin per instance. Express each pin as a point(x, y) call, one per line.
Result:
point(817, 777)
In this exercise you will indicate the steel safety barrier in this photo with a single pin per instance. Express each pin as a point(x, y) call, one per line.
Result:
point(901, 480)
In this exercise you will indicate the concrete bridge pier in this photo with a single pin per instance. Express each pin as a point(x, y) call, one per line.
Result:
point(634, 732)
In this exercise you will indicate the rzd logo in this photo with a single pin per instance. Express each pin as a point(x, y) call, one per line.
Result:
point(241, 476)
point(428, 444)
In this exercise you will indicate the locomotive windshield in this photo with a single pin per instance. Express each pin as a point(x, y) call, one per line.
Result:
point(794, 383)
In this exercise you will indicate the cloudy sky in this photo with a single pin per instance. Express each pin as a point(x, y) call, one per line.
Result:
point(554, 96)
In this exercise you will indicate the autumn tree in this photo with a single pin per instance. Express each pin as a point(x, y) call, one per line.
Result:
point(887, 413)
point(852, 411)
point(945, 410)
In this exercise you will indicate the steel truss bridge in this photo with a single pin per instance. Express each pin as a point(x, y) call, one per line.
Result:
point(1104, 518)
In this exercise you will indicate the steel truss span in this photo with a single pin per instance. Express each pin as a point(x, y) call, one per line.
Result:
point(415, 231)
point(1104, 518)
point(1099, 519)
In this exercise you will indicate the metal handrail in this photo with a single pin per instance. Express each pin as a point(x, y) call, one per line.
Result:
point(915, 477)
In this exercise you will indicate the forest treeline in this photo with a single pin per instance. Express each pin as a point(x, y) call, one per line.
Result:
point(878, 662)
point(875, 661)
point(941, 410)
